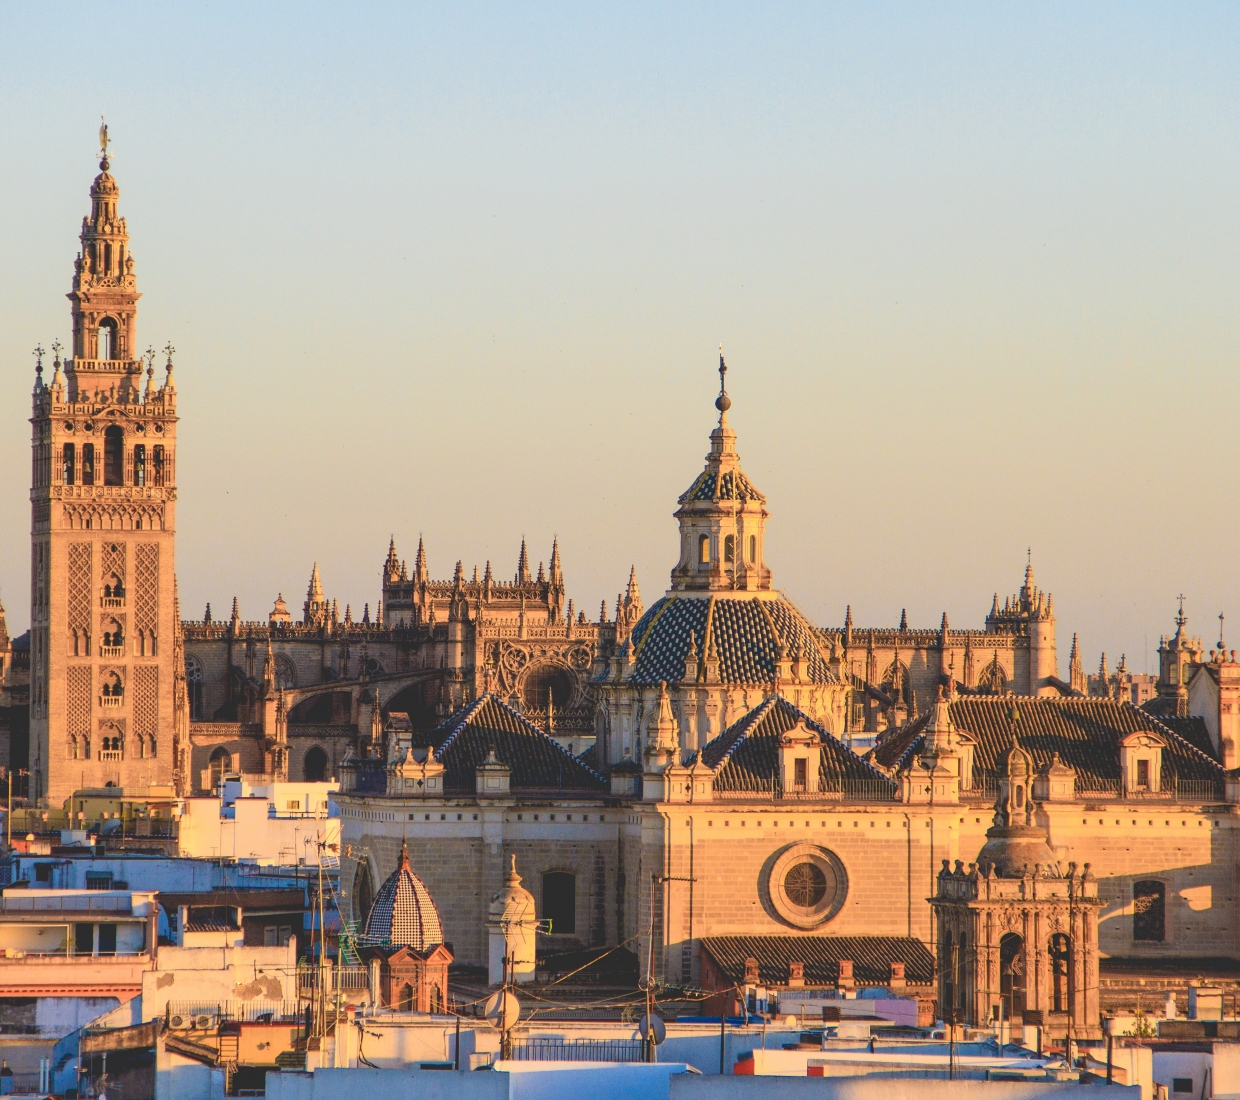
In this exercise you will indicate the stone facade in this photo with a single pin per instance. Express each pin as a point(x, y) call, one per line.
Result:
point(106, 687)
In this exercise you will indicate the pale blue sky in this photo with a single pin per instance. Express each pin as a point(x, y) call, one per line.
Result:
point(461, 270)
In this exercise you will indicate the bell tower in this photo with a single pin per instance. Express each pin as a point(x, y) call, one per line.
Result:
point(104, 676)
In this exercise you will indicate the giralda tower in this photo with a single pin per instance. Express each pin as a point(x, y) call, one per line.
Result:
point(105, 686)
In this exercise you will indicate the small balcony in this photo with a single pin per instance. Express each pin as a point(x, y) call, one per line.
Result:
point(111, 601)
point(111, 651)
point(111, 702)
point(111, 755)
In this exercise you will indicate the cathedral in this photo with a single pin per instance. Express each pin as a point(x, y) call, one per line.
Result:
point(713, 776)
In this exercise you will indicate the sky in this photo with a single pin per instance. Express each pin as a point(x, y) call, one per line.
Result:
point(461, 271)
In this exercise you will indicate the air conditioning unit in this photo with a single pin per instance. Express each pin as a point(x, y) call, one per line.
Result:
point(204, 1022)
point(180, 1023)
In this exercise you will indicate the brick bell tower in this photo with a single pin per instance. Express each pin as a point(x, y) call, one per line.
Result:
point(105, 684)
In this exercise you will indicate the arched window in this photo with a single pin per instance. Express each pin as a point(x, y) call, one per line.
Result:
point(363, 893)
point(314, 767)
point(286, 672)
point(753, 548)
point(112, 686)
point(1060, 951)
point(114, 455)
point(218, 767)
point(704, 550)
point(729, 549)
point(88, 464)
point(1012, 975)
point(193, 681)
point(139, 465)
point(113, 637)
point(107, 339)
point(436, 1005)
point(559, 890)
point(70, 464)
point(405, 1004)
point(1149, 911)
point(993, 680)
point(157, 464)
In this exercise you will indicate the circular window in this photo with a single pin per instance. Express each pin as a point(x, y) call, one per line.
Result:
point(807, 885)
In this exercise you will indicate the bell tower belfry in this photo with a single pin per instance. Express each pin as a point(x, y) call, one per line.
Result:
point(104, 679)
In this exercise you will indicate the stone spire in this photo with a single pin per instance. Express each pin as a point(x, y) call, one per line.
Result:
point(420, 573)
point(391, 567)
point(316, 608)
point(523, 565)
point(848, 626)
point(557, 572)
point(663, 746)
point(1076, 674)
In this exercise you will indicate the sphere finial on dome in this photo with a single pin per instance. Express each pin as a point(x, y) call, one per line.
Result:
point(723, 402)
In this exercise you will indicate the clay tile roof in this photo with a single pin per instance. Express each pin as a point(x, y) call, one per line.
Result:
point(746, 755)
point(871, 957)
point(894, 745)
point(742, 634)
point(1085, 732)
point(1193, 730)
point(537, 762)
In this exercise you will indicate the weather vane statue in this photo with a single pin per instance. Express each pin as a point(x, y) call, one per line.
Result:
point(103, 143)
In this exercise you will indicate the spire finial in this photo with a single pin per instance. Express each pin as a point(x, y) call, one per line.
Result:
point(1220, 630)
point(103, 143)
point(723, 402)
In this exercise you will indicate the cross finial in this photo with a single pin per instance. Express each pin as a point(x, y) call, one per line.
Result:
point(723, 402)
point(56, 349)
point(38, 354)
point(1179, 619)
point(169, 351)
point(1220, 630)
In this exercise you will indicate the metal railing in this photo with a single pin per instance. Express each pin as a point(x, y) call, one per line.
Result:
point(66, 902)
point(579, 1050)
point(336, 979)
point(248, 1012)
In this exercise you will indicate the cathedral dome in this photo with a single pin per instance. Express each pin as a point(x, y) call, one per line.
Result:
point(746, 633)
point(403, 913)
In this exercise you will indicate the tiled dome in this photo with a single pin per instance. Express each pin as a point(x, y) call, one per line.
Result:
point(403, 913)
point(747, 631)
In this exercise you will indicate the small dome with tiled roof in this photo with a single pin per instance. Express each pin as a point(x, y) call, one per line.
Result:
point(403, 913)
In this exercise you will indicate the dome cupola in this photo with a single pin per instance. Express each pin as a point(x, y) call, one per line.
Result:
point(403, 913)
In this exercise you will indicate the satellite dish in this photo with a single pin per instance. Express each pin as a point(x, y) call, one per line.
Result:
point(653, 1027)
point(501, 1010)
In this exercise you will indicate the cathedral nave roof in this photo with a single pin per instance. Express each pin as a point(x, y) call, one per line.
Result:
point(1085, 732)
point(746, 755)
point(537, 762)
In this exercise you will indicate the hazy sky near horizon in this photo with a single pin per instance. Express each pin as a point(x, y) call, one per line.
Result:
point(461, 270)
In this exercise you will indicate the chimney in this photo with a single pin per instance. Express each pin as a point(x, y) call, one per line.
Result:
point(796, 975)
point(897, 977)
point(751, 971)
point(846, 980)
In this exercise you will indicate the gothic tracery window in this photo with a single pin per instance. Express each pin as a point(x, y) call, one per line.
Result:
point(194, 685)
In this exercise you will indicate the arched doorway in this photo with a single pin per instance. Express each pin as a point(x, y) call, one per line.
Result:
point(1012, 976)
point(406, 998)
point(314, 766)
